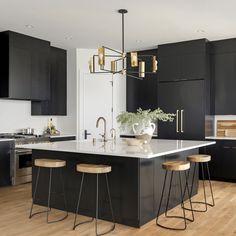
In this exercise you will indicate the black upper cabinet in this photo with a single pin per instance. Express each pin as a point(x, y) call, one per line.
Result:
point(183, 61)
point(142, 93)
point(187, 100)
point(223, 65)
point(57, 104)
point(25, 67)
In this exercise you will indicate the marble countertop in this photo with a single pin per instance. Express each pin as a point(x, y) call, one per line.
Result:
point(156, 147)
point(6, 139)
point(220, 138)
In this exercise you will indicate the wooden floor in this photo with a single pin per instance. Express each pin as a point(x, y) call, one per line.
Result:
point(15, 204)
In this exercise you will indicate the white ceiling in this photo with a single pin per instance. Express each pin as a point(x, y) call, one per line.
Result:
point(92, 23)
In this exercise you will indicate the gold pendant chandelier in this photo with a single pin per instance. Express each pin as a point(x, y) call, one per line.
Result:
point(113, 61)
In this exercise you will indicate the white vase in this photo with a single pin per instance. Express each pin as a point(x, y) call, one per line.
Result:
point(141, 128)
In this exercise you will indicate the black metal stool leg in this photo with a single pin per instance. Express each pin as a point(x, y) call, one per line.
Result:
point(162, 194)
point(113, 219)
point(209, 178)
point(34, 195)
point(189, 196)
point(205, 203)
point(78, 203)
point(204, 188)
point(49, 193)
point(181, 200)
point(168, 197)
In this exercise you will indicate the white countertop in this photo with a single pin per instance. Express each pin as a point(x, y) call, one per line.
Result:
point(156, 148)
point(6, 139)
point(220, 138)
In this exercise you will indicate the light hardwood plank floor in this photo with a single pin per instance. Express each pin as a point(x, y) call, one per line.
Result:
point(15, 204)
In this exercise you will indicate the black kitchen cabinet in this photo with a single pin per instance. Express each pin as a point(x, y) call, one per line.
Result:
point(5, 158)
point(183, 60)
point(223, 66)
point(142, 93)
point(187, 99)
point(57, 104)
point(223, 160)
point(25, 67)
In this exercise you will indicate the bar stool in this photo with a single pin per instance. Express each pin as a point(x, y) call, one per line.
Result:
point(94, 169)
point(178, 167)
point(50, 164)
point(203, 160)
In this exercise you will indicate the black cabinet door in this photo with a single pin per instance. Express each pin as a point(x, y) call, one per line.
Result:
point(182, 61)
point(40, 76)
point(186, 99)
point(223, 160)
point(5, 156)
point(57, 103)
point(25, 67)
point(142, 93)
point(225, 83)
point(19, 73)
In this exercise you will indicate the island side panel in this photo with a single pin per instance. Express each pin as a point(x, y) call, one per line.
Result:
point(151, 183)
point(123, 181)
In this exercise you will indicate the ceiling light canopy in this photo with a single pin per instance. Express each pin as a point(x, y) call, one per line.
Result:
point(112, 61)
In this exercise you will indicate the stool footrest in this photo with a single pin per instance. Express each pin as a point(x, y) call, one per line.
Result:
point(83, 222)
point(196, 210)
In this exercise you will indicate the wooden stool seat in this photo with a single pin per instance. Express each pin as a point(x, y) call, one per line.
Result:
point(49, 163)
point(176, 165)
point(93, 169)
point(199, 158)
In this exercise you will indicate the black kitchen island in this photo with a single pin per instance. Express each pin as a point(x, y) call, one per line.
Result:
point(135, 182)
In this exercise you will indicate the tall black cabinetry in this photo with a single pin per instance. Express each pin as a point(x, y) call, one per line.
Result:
point(142, 93)
point(184, 88)
point(187, 100)
point(223, 66)
point(24, 67)
point(57, 104)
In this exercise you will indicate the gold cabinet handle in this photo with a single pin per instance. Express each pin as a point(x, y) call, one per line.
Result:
point(177, 121)
point(182, 121)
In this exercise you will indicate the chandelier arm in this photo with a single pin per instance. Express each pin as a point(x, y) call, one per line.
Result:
point(112, 50)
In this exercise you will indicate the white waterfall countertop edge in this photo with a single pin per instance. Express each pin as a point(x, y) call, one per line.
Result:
point(156, 148)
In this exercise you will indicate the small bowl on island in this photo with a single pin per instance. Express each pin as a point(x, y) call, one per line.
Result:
point(145, 138)
point(133, 142)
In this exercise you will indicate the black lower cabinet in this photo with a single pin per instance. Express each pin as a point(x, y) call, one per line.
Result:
point(5, 157)
point(223, 161)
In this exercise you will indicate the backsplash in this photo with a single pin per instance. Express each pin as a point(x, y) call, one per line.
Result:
point(16, 114)
point(225, 125)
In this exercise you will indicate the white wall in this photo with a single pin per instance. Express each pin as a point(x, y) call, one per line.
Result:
point(15, 115)
point(100, 93)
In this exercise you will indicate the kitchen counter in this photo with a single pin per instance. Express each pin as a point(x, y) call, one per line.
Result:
point(135, 181)
point(156, 148)
point(6, 139)
point(220, 138)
